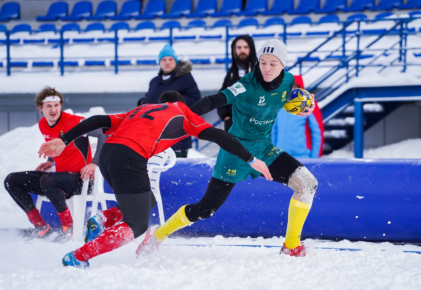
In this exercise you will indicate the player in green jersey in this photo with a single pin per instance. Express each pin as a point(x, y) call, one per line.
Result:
point(256, 99)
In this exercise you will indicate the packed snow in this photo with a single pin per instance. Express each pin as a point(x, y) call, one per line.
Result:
point(221, 264)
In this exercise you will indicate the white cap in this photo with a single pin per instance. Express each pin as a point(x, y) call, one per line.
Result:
point(276, 48)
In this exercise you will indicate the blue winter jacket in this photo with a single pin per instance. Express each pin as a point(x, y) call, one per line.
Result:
point(289, 134)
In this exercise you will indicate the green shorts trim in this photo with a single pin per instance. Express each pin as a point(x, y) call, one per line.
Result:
point(232, 169)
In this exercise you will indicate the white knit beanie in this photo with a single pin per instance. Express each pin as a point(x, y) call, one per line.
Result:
point(276, 48)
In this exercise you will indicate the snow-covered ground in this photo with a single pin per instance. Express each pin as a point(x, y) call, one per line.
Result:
point(36, 264)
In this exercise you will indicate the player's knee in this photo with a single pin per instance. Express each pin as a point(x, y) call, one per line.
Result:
point(8, 181)
point(304, 185)
point(137, 228)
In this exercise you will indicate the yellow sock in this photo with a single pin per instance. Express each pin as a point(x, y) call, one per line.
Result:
point(176, 222)
point(297, 215)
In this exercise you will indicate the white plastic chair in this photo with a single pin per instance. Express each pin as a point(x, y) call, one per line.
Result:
point(77, 207)
point(156, 164)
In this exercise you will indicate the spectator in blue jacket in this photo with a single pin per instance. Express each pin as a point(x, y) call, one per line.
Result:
point(174, 75)
point(301, 137)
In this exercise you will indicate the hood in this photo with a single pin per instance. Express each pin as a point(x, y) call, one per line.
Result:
point(253, 57)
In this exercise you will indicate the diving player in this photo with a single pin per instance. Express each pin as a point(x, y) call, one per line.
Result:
point(256, 100)
point(136, 136)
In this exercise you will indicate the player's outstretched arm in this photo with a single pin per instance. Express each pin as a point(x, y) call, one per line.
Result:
point(54, 147)
point(227, 142)
point(209, 103)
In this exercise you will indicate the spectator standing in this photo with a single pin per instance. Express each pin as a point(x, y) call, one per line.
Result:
point(244, 58)
point(174, 75)
point(287, 133)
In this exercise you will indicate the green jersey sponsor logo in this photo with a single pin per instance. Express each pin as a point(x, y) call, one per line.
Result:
point(258, 122)
point(261, 101)
point(237, 89)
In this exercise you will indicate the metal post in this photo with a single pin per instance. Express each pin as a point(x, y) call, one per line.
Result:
point(8, 54)
point(400, 41)
point(405, 45)
point(226, 47)
point(344, 51)
point(61, 52)
point(170, 36)
point(285, 33)
point(116, 51)
point(358, 129)
point(358, 49)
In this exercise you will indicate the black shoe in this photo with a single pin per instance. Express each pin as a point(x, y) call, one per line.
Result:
point(64, 235)
point(37, 232)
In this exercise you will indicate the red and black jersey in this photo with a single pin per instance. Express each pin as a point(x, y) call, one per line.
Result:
point(78, 153)
point(152, 128)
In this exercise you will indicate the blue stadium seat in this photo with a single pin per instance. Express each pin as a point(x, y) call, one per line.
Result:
point(71, 27)
point(146, 62)
point(301, 20)
point(356, 16)
point(42, 63)
point(95, 27)
point(384, 15)
point(47, 27)
point(305, 6)
point(247, 22)
point(10, 10)
point(3, 28)
point(200, 60)
point(89, 38)
point(178, 9)
point(386, 5)
point(195, 24)
point(80, 10)
point(56, 10)
point(129, 9)
point(417, 54)
point(21, 28)
point(279, 7)
point(215, 31)
point(273, 21)
point(170, 24)
point(105, 9)
point(223, 60)
point(19, 64)
point(120, 26)
point(221, 23)
point(270, 28)
point(122, 62)
point(328, 19)
point(358, 5)
point(153, 9)
point(69, 63)
point(94, 63)
point(254, 7)
point(410, 4)
point(228, 8)
point(145, 25)
point(331, 6)
point(203, 9)
point(136, 36)
point(40, 35)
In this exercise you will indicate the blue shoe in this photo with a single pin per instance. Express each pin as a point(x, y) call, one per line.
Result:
point(70, 260)
point(94, 228)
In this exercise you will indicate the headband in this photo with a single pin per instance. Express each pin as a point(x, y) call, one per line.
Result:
point(52, 99)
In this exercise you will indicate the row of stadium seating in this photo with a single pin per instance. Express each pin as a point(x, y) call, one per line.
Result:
point(300, 26)
point(149, 62)
point(156, 8)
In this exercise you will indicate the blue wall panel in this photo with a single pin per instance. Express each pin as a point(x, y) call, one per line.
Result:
point(361, 199)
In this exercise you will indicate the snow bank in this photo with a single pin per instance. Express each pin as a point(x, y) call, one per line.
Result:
point(405, 149)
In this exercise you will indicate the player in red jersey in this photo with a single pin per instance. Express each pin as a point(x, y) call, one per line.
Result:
point(135, 137)
point(72, 166)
